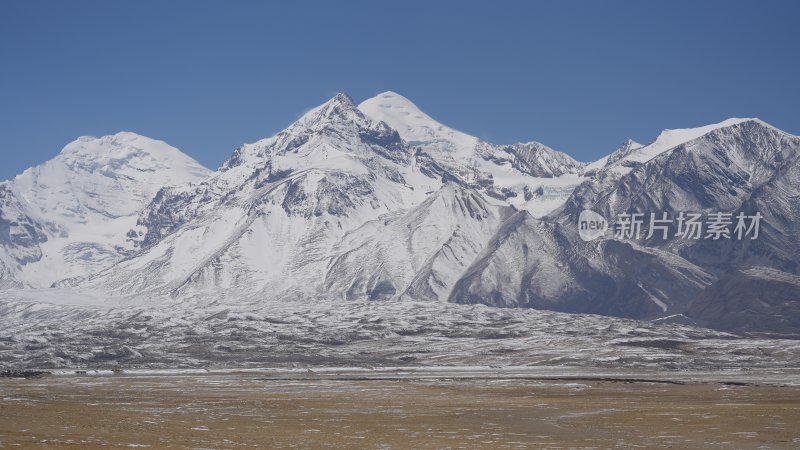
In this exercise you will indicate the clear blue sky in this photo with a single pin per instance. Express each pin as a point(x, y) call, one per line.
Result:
point(207, 76)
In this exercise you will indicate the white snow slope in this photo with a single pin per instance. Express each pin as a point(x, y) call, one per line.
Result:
point(82, 203)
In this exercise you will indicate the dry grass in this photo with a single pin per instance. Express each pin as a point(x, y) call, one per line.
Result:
point(244, 411)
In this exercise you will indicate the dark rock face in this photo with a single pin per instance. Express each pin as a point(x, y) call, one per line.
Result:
point(335, 194)
point(19, 234)
point(169, 210)
point(386, 142)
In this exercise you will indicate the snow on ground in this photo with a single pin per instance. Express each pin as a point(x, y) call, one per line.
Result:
point(219, 334)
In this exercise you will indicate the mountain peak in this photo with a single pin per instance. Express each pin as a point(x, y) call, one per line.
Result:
point(112, 175)
point(122, 146)
point(632, 152)
point(627, 147)
point(339, 107)
point(416, 127)
point(397, 111)
point(630, 143)
point(392, 100)
point(342, 99)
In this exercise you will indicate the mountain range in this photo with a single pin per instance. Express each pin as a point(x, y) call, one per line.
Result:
point(378, 201)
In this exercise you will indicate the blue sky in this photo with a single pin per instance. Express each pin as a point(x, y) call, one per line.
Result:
point(207, 76)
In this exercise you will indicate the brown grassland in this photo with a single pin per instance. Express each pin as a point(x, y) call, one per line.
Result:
point(212, 411)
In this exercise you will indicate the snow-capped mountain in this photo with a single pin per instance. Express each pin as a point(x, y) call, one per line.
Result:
point(70, 216)
point(381, 202)
point(270, 218)
point(740, 165)
point(542, 263)
point(529, 175)
point(300, 213)
point(745, 165)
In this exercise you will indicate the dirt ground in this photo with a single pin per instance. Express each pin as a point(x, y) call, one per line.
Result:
point(249, 411)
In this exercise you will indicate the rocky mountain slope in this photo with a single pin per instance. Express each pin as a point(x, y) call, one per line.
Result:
point(379, 202)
